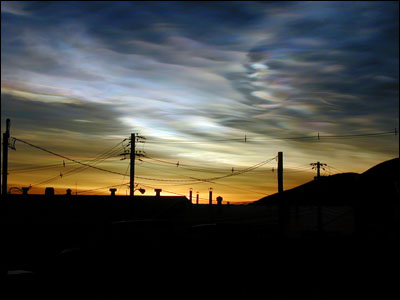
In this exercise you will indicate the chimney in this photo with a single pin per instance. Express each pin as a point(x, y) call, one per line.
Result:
point(219, 205)
point(158, 191)
point(25, 190)
point(190, 195)
point(49, 191)
point(113, 191)
point(210, 196)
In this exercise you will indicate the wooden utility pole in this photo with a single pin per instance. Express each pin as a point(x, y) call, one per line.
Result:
point(135, 138)
point(318, 166)
point(280, 172)
point(281, 204)
point(132, 169)
point(6, 136)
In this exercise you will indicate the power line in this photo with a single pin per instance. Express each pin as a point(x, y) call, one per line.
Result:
point(46, 167)
point(73, 171)
point(304, 168)
point(193, 168)
point(102, 188)
point(247, 139)
point(70, 159)
point(387, 133)
point(99, 158)
point(126, 172)
point(213, 182)
point(194, 179)
point(297, 171)
point(333, 168)
point(179, 194)
point(35, 168)
point(183, 166)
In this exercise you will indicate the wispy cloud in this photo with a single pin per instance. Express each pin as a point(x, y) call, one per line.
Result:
point(14, 7)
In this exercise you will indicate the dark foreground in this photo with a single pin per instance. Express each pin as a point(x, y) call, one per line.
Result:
point(188, 252)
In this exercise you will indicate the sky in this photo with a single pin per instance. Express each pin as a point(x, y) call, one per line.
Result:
point(216, 86)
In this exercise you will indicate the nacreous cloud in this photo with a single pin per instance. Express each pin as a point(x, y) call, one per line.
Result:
point(206, 70)
point(330, 63)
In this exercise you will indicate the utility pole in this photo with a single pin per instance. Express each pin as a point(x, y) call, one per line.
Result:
point(132, 155)
point(132, 167)
point(318, 166)
point(281, 204)
point(280, 172)
point(6, 136)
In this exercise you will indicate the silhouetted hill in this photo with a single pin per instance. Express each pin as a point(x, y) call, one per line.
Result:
point(329, 190)
point(379, 189)
point(386, 171)
point(376, 184)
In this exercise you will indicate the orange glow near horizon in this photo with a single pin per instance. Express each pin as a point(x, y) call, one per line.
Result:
point(243, 188)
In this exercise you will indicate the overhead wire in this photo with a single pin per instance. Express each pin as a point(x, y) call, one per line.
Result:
point(44, 167)
point(101, 188)
point(213, 178)
point(126, 172)
point(200, 169)
point(249, 139)
point(70, 159)
point(207, 181)
point(35, 168)
point(212, 181)
point(99, 158)
point(333, 168)
point(179, 194)
point(297, 169)
point(192, 167)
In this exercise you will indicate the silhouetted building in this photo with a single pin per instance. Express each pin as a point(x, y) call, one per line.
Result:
point(91, 209)
point(49, 191)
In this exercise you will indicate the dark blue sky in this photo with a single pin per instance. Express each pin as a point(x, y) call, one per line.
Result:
point(205, 70)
